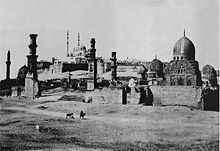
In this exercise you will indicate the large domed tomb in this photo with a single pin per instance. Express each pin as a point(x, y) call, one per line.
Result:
point(183, 69)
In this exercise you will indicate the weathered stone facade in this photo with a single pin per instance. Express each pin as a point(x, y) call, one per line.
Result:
point(183, 72)
point(183, 69)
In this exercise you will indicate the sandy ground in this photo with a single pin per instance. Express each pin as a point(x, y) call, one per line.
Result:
point(106, 126)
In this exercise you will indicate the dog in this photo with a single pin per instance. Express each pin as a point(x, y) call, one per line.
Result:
point(69, 115)
point(82, 114)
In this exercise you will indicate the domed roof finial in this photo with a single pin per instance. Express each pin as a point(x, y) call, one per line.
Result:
point(184, 33)
point(156, 56)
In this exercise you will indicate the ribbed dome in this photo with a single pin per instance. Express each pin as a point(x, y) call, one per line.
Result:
point(22, 72)
point(156, 66)
point(209, 72)
point(184, 48)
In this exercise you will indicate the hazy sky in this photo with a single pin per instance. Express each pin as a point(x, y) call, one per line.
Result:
point(133, 28)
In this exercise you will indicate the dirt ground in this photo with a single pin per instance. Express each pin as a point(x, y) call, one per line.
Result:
point(105, 127)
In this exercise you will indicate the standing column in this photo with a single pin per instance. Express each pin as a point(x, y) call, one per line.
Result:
point(32, 88)
point(32, 58)
point(114, 66)
point(93, 55)
point(8, 63)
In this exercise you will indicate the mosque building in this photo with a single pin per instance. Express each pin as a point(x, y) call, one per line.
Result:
point(183, 69)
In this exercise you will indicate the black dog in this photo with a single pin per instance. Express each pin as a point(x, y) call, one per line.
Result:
point(82, 114)
point(69, 115)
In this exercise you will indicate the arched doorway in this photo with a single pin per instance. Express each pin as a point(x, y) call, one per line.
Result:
point(180, 81)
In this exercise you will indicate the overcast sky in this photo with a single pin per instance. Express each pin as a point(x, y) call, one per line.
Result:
point(133, 28)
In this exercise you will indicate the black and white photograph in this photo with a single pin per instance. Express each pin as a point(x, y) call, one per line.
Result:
point(109, 75)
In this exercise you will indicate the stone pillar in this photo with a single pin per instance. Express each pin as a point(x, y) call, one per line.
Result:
point(114, 66)
point(92, 62)
point(32, 58)
point(8, 63)
point(31, 81)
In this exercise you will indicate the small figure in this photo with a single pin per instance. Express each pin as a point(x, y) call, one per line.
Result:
point(69, 115)
point(82, 114)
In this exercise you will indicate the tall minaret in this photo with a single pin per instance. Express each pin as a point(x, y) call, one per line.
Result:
point(184, 33)
point(78, 40)
point(67, 43)
point(8, 63)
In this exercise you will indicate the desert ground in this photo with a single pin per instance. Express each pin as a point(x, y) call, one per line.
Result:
point(106, 126)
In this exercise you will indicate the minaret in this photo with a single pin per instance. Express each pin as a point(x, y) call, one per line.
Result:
point(32, 58)
point(8, 63)
point(67, 43)
point(78, 40)
point(184, 33)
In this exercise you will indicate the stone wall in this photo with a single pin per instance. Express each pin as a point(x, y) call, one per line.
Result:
point(176, 95)
point(163, 95)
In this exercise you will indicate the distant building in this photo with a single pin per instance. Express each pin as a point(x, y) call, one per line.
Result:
point(155, 72)
point(209, 75)
point(183, 69)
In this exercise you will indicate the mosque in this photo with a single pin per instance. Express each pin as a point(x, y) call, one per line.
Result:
point(183, 69)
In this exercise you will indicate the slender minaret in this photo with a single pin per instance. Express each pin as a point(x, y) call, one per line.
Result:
point(67, 43)
point(78, 40)
point(8, 63)
point(184, 33)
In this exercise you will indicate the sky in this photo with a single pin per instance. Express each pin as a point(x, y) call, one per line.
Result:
point(139, 29)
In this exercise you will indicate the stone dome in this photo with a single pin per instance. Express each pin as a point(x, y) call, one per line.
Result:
point(184, 49)
point(156, 66)
point(209, 73)
point(22, 72)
